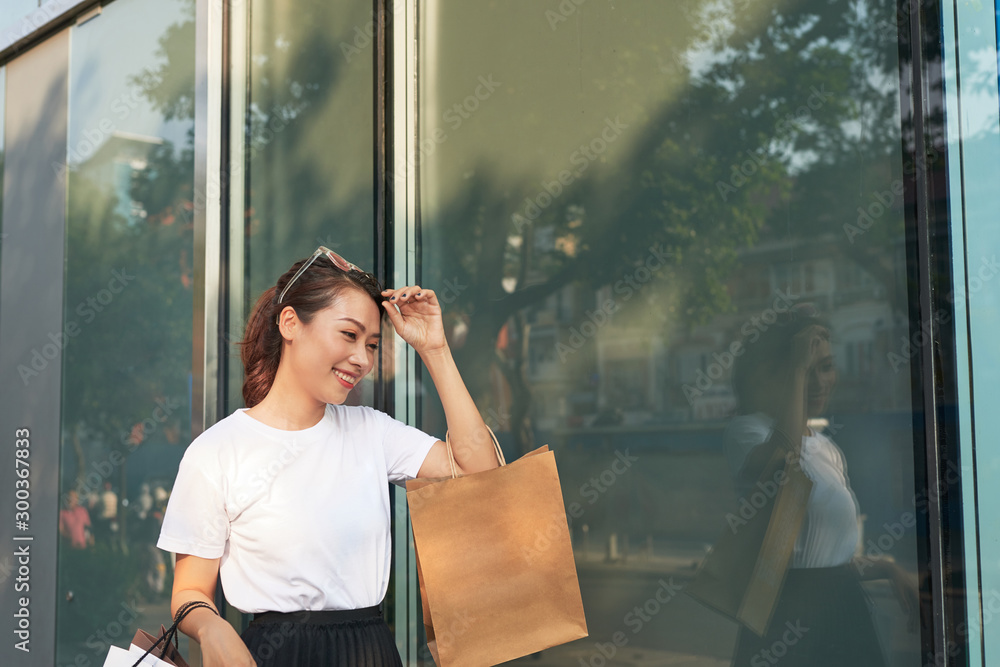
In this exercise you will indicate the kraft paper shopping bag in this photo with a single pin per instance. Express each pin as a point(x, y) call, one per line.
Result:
point(495, 563)
point(744, 572)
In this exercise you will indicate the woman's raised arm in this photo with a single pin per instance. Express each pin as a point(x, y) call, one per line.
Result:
point(418, 322)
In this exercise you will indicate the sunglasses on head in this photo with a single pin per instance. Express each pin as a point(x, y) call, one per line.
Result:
point(337, 260)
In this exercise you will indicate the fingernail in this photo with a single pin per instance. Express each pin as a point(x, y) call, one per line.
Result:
point(392, 299)
point(404, 294)
point(419, 293)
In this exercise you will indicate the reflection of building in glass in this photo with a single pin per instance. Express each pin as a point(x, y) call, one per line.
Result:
point(610, 368)
point(115, 164)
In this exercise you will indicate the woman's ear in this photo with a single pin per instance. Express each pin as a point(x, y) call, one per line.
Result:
point(288, 323)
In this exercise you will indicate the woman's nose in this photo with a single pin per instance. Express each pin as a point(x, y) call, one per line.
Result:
point(359, 356)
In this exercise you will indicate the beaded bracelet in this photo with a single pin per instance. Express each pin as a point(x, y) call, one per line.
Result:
point(171, 632)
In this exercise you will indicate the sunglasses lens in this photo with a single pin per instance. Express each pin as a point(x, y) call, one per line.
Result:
point(339, 261)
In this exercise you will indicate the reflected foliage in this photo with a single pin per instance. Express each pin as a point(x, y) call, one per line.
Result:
point(785, 112)
point(128, 311)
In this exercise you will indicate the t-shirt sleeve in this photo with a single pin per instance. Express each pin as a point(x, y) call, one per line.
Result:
point(405, 449)
point(195, 521)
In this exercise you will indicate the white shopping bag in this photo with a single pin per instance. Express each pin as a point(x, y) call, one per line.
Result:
point(119, 657)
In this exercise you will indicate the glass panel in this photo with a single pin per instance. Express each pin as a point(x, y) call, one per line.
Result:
point(13, 11)
point(309, 136)
point(307, 153)
point(973, 112)
point(308, 107)
point(128, 314)
point(623, 206)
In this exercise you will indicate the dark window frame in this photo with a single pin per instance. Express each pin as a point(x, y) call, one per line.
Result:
point(934, 380)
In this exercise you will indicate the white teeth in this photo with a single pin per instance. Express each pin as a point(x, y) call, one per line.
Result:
point(348, 378)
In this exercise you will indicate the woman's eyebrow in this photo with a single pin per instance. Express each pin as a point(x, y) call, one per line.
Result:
point(360, 326)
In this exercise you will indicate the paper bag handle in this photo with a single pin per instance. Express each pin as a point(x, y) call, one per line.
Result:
point(451, 455)
point(183, 611)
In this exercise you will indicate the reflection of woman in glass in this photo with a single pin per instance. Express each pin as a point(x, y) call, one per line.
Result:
point(784, 377)
point(287, 499)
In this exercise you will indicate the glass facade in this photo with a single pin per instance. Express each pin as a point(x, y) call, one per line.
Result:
point(126, 393)
point(13, 10)
point(304, 146)
point(972, 108)
point(309, 129)
point(657, 231)
point(623, 223)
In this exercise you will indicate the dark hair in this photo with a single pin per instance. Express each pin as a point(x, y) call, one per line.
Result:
point(317, 288)
point(771, 346)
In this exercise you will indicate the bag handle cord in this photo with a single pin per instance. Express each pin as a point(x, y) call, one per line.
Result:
point(451, 455)
point(171, 632)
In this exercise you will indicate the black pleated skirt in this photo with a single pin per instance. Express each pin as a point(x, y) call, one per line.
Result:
point(823, 619)
point(340, 638)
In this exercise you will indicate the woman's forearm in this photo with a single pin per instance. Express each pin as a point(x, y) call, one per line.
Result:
point(470, 439)
point(791, 417)
point(197, 620)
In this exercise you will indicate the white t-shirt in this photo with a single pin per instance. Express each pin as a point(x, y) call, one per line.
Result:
point(300, 519)
point(829, 535)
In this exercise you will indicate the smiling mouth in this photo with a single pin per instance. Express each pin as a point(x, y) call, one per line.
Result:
point(345, 377)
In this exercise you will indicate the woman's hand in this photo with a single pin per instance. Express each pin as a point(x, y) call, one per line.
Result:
point(904, 584)
point(807, 348)
point(222, 647)
point(418, 318)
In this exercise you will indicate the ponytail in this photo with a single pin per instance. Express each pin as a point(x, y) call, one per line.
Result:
point(261, 350)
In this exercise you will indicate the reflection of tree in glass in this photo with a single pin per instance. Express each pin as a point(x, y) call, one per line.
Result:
point(778, 102)
point(731, 161)
point(128, 290)
point(170, 89)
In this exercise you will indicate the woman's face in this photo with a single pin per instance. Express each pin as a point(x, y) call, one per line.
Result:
point(330, 355)
point(820, 379)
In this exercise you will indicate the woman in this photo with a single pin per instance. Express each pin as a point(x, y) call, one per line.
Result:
point(784, 377)
point(287, 499)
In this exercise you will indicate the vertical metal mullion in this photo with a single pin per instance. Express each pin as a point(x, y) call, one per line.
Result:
point(208, 122)
point(225, 100)
point(944, 347)
point(402, 201)
point(383, 113)
point(384, 393)
point(238, 85)
point(208, 216)
point(383, 149)
point(934, 377)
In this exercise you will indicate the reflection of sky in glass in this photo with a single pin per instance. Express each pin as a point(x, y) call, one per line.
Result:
point(13, 11)
point(105, 53)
